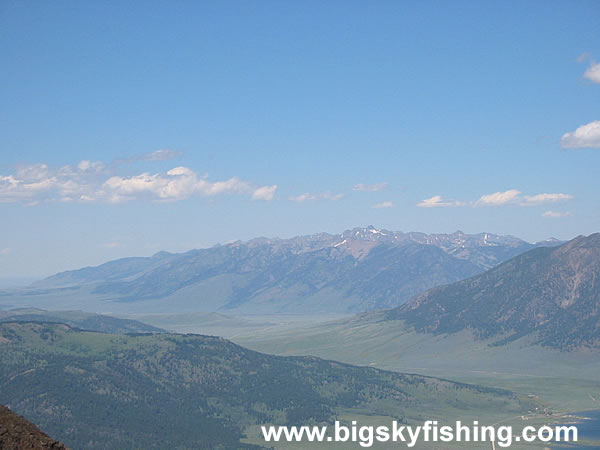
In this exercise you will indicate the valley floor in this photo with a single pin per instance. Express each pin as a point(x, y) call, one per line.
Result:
point(563, 382)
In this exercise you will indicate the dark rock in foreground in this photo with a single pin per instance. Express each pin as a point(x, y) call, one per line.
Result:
point(17, 433)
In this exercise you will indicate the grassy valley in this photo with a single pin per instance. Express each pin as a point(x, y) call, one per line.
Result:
point(98, 390)
point(394, 345)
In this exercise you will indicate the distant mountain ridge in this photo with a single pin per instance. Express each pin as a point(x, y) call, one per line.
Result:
point(552, 294)
point(483, 249)
point(358, 270)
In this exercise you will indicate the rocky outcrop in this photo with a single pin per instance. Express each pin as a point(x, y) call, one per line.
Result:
point(17, 433)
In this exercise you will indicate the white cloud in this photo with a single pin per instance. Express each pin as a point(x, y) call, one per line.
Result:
point(502, 198)
point(303, 197)
point(437, 201)
point(514, 196)
point(498, 198)
point(593, 73)
point(234, 185)
point(586, 136)
point(556, 214)
point(92, 182)
point(112, 244)
point(370, 187)
point(538, 199)
point(33, 172)
point(177, 184)
point(38, 182)
point(318, 196)
point(184, 171)
point(94, 166)
point(264, 193)
point(14, 189)
point(383, 205)
point(4, 251)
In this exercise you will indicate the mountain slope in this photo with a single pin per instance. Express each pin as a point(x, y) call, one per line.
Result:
point(120, 269)
point(95, 390)
point(357, 270)
point(553, 293)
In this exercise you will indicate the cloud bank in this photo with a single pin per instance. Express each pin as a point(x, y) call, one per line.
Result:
point(92, 181)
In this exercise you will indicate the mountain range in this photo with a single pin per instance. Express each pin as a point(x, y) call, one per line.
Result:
point(358, 270)
point(550, 293)
point(530, 307)
point(531, 324)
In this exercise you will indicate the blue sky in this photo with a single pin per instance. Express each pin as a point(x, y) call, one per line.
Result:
point(132, 127)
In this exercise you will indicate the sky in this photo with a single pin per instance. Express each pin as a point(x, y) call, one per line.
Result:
point(132, 127)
